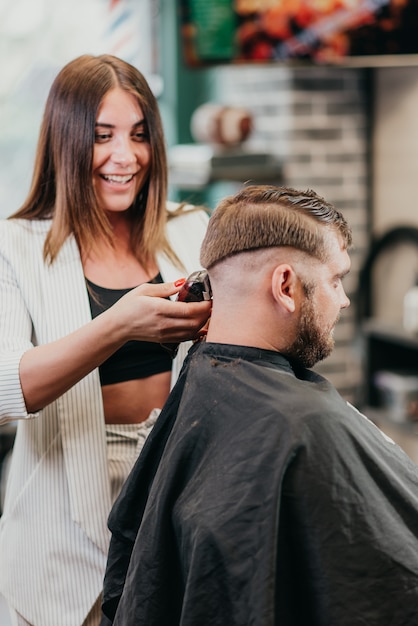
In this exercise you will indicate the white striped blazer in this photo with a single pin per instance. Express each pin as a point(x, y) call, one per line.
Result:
point(53, 532)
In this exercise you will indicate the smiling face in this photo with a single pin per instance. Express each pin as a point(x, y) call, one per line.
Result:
point(122, 152)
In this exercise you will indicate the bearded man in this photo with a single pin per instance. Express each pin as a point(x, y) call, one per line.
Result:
point(261, 497)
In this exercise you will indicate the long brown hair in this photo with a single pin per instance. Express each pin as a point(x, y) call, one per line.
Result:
point(62, 185)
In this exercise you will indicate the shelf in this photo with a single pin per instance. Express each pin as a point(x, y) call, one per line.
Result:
point(389, 348)
point(391, 373)
point(390, 333)
point(194, 166)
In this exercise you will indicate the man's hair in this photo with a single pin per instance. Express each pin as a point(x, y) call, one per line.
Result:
point(264, 216)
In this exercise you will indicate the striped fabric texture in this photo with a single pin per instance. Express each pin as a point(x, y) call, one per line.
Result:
point(53, 532)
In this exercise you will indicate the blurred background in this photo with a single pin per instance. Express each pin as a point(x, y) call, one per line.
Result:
point(320, 94)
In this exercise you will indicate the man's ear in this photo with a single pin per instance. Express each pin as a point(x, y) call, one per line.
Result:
point(284, 286)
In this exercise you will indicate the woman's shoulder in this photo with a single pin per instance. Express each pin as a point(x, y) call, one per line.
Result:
point(19, 225)
point(176, 209)
point(14, 230)
point(185, 220)
point(183, 215)
point(186, 229)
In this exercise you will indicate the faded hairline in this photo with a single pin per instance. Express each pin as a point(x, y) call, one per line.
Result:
point(263, 216)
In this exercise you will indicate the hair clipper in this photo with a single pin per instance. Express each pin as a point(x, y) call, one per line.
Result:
point(195, 289)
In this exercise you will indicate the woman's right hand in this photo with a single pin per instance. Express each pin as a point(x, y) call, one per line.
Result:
point(146, 314)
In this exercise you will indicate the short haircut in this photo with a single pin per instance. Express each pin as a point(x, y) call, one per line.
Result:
point(265, 216)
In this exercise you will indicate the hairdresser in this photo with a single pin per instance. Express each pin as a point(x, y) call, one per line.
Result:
point(89, 268)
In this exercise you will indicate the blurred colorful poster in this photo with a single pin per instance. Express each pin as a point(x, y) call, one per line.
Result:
point(325, 31)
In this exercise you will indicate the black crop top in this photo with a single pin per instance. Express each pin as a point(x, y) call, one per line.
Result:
point(135, 359)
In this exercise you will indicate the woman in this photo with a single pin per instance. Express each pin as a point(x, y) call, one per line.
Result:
point(81, 323)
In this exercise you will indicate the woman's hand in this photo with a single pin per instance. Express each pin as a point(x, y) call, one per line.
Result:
point(146, 314)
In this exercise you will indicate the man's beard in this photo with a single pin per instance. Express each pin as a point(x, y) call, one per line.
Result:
point(313, 343)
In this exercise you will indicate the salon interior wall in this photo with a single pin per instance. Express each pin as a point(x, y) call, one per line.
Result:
point(395, 176)
point(352, 135)
point(316, 120)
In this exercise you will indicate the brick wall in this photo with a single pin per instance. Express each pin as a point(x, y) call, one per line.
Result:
point(316, 120)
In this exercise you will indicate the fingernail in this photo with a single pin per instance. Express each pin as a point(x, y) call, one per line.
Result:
point(179, 282)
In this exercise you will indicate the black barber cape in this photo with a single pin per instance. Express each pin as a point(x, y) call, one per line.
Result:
point(262, 498)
